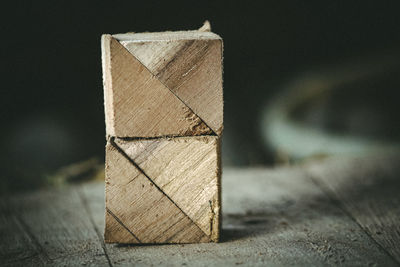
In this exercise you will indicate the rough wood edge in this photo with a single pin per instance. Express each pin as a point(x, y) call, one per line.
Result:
point(204, 32)
point(107, 83)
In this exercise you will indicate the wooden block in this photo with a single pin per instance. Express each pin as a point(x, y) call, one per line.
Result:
point(163, 84)
point(164, 117)
point(163, 190)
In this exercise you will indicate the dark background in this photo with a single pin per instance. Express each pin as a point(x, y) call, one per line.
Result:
point(52, 97)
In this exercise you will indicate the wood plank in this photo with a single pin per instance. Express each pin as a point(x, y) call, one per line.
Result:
point(17, 246)
point(369, 190)
point(137, 104)
point(187, 169)
point(49, 227)
point(138, 205)
point(271, 217)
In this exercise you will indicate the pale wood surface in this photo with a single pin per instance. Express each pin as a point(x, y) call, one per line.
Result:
point(284, 216)
point(137, 104)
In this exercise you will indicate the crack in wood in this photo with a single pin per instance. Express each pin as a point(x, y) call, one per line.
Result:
point(161, 137)
point(96, 229)
point(212, 216)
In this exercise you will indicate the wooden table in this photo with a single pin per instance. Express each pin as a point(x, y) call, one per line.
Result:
point(327, 212)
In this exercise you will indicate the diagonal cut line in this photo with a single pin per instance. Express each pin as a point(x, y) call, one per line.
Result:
point(127, 138)
point(167, 88)
point(122, 224)
point(142, 171)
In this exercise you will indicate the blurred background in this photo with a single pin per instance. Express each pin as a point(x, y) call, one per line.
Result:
point(302, 79)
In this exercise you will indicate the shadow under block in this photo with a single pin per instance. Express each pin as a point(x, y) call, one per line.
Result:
point(163, 84)
point(163, 190)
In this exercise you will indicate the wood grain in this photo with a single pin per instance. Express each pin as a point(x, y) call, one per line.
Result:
point(191, 68)
point(369, 192)
point(17, 247)
point(49, 227)
point(187, 169)
point(137, 104)
point(141, 208)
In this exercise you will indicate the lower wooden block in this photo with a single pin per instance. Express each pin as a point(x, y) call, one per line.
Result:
point(164, 190)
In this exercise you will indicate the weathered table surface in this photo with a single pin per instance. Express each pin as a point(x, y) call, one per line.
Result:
point(326, 212)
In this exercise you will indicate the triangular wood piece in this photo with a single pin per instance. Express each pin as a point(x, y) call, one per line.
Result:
point(192, 69)
point(142, 208)
point(137, 103)
point(187, 170)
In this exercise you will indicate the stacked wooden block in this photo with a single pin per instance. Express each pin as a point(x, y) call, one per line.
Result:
point(164, 119)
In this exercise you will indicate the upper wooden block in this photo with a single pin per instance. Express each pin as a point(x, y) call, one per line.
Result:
point(163, 84)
